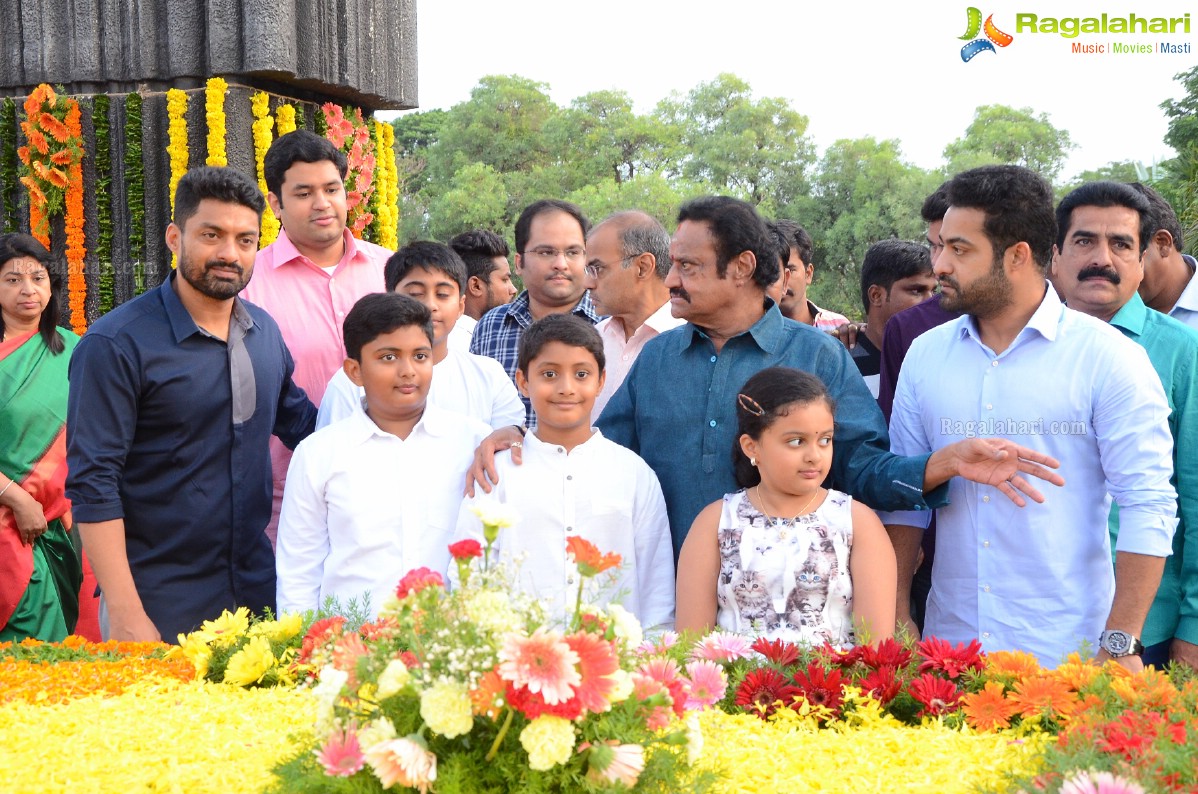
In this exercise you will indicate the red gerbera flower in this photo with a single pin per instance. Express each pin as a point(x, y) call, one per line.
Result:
point(887, 653)
point(821, 688)
point(836, 656)
point(777, 651)
point(532, 704)
point(318, 634)
point(936, 695)
point(952, 660)
point(881, 684)
point(762, 691)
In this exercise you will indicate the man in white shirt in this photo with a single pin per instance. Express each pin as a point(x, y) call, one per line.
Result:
point(1021, 365)
point(465, 383)
point(376, 495)
point(1169, 283)
point(575, 482)
point(488, 280)
point(628, 257)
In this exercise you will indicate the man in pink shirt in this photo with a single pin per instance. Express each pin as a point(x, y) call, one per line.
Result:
point(628, 256)
point(312, 275)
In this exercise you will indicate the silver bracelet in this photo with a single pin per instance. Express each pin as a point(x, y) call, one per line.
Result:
point(5, 488)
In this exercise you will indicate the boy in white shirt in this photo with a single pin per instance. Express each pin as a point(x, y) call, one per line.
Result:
point(376, 494)
point(573, 481)
point(466, 383)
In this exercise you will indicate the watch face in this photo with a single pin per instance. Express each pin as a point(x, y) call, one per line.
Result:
point(1117, 642)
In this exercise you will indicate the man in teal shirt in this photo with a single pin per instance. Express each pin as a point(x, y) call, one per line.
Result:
point(1103, 229)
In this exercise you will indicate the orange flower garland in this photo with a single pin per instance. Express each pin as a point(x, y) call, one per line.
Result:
point(76, 250)
point(54, 147)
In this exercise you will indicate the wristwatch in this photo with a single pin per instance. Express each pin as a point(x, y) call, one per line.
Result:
point(1119, 643)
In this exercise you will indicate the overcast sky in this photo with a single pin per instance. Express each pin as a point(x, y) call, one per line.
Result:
point(886, 69)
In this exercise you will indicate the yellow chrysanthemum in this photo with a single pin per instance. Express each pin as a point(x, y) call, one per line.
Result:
point(549, 741)
point(251, 663)
point(225, 630)
point(194, 649)
point(492, 611)
point(395, 676)
point(281, 630)
point(445, 708)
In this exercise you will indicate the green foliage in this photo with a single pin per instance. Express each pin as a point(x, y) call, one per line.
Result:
point(1181, 185)
point(102, 248)
point(1001, 134)
point(135, 190)
point(52, 653)
point(8, 164)
point(476, 198)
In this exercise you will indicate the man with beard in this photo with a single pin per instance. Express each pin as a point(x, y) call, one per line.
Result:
point(551, 238)
point(174, 397)
point(1105, 231)
point(1021, 365)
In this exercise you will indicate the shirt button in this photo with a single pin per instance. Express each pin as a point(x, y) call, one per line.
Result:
point(985, 498)
point(561, 450)
point(711, 423)
point(985, 544)
point(985, 588)
point(989, 406)
point(985, 635)
point(625, 358)
point(713, 359)
point(570, 580)
point(569, 476)
point(569, 529)
point(993, 364)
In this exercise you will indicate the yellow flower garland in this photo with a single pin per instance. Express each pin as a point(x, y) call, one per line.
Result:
point(285, 119)
point(176, 132)
point(214, 105)
point(263, 123)
point(387, 184)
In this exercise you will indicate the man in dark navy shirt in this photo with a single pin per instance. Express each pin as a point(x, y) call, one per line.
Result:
point(173, 399)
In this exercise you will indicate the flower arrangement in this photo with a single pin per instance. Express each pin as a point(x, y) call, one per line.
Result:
point(52, 149)
point(386, 211)
point(285, 118)
point(473, 690)
point(214, 111)
point(351, 135)
point(263, 123)
point(76, 240)
point(176, 134)
point(235, 649)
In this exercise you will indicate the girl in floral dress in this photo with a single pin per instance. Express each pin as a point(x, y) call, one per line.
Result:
point(785, 557)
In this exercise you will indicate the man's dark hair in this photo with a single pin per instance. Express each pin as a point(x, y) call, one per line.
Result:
point(381, 313)
point(764, 398)
point(780, 243)
point(219, 184)
point(796, 238)
point(641, 233)
point(19, 246)
point(1104, 194)
point(565, 328)
point(888, 261)
point(935, 205)
point(524, 222)
point(1160, 214)
point(1017, 203)
point(429, 256)
point(299, 146)
point(478, 249)
point(735, 227)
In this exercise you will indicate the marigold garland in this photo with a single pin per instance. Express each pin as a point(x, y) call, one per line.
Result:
point(390, 236)
point(176, 112)
point(285, 118)
point(214, 108)
point(263, 123)
point(76, 250)
point(47, 159)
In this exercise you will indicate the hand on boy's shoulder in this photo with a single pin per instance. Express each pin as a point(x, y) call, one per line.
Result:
point(483, 472)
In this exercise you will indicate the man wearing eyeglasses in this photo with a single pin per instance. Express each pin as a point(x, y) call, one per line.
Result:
point(628, 257)
point(550, 257)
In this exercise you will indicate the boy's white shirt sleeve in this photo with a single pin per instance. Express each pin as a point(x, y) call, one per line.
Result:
point(506, 407)
point(303, 540)
point(341, 399)
point(654, 553)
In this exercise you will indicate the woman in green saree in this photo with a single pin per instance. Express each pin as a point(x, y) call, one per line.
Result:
point(40, 563)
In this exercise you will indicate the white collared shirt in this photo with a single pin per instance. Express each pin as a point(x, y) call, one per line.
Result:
point(621, 351)
point(1038, 578)
point(463, 383)
point(1186, 309)
point(462, 334)
point(599, 491)
point(362, 507)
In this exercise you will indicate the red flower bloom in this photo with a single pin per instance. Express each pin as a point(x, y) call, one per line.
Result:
point(318, 634)
point(416, 580)
point(381, 629)
point(881, 684)
point(1133, 733)
point(887, 653)
point(844, 659)
point(465, 549)
point(532, 704)
point(821, 688)
point(936, 695)
point(952, 660)
point(777, 651)
point(762, 690)
point(588, 558)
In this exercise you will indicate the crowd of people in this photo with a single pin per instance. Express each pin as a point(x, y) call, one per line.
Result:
point(274, 428)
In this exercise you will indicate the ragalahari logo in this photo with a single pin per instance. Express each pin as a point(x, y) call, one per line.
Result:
point(993, 36)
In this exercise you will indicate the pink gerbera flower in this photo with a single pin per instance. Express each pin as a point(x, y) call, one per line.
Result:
point(665, 672)
point(416, 580)
point(1100, 783)
point(667, 640)
point(707, 684)
point(405, 761)
point(597, 660)
point(722, 646)
point(341, 755)
point(543, 663)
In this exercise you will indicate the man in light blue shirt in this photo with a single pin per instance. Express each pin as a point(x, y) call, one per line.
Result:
point(1099, 261)
point(1022, 366)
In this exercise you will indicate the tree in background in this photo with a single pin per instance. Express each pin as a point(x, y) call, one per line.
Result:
point(1181, 185)
point(1000, 134)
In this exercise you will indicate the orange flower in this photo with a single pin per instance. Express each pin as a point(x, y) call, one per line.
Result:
point(40, 682)
point(56, 177)
point(39, 141)
point(1077, 675)
point(588, 558)
point(1042, 693)
point(988, 710)
point(483, 697)
point(57, 130)
point(1015, 664)
point(1149, 689)
point(23, 153)
point(61, 157)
